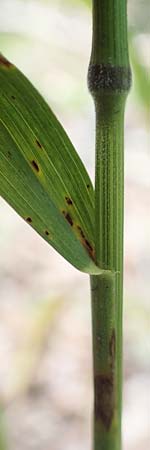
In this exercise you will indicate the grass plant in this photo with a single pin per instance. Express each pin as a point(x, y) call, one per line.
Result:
point(45, 181)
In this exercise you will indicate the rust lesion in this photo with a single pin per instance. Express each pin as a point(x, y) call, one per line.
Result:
point(89, 246)
point(35, 165)
point(4, 62)
point(69, 200)
point(28, 219)
point(68, 217)
point(104, 404)
point(38, 143)
point(89, 249)
point(81, 232)
point(47, 232)
point(86, 243)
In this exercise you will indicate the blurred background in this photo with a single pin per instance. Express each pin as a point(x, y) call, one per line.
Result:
point(45, 322)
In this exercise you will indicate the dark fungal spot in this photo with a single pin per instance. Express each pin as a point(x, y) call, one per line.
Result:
point(81, 232)
point(112, 348)
point(35, 165)
point(68, 217)
point(13, 97)
point(29, 220)
point(69, 201)
point(4, 62)
point(88, 186)
point(9, 154)
point(104, 402)
point(47, 233)
point(38, 143)
point(89, 249)
point(88, 245)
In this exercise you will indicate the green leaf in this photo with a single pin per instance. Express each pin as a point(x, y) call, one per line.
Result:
point(41, 175)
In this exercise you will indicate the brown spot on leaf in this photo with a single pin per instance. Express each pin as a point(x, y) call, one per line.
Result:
point(104, 399)
point(13, 97)
point(86, 243)
point(35, 165)
point(4, 62)
point(89, 248)
point(69, 201)
point(68, 217)
point(29, 220)
point(81, 232)
point(47, 232)
point(88, 186)
point(38, 143)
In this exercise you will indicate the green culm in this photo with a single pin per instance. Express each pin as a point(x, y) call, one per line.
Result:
point(45, 181)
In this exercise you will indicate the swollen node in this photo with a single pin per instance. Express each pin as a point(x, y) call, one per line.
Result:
point(108, 78)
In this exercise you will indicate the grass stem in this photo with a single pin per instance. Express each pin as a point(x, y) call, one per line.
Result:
point(109, 81)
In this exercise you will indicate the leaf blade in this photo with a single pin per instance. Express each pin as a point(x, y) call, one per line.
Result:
point(40, 167)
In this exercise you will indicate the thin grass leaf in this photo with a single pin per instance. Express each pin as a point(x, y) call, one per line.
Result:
point(41, 175)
